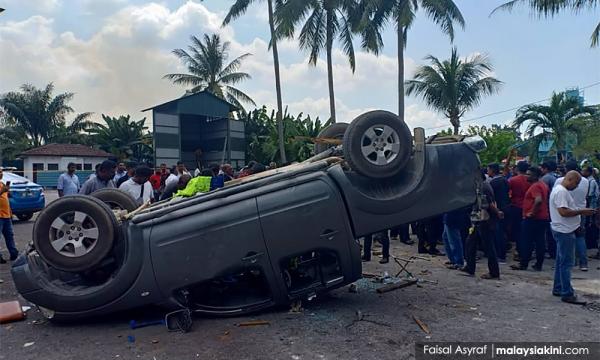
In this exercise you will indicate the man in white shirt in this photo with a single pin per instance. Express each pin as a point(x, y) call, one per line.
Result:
point(565, 221)
point(579, 195)
point(138, 187)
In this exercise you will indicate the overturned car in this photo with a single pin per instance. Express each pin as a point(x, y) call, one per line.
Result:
point(261, 241)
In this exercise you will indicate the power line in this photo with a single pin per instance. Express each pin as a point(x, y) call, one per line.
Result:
point(507, 110)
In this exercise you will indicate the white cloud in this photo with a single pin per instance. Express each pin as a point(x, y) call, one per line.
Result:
point(39, 6)
point(119, 69)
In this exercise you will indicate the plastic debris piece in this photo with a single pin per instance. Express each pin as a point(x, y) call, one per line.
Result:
point(28, 344)
point(25, 308)
point(130, 338)
point(154, 341)
point(422, 325)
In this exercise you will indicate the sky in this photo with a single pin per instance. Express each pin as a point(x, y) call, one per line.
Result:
point(113, 54)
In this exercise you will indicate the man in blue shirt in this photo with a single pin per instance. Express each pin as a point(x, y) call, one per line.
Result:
point(68, 183)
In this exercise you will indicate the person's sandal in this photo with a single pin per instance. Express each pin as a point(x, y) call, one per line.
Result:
point(573, 300)
point(517, 267)
point(384, 260)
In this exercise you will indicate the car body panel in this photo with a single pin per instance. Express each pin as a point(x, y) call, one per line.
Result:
point(26, 197)
point(296, 230)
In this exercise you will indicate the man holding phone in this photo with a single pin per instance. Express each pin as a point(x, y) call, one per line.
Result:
point(566, 225)
point(6, 227)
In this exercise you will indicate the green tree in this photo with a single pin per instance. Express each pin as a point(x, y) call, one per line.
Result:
point(324, 22)
point(499, 139)
point(206, 62)
point(560, 118)
point(37, 114)
point(454, 86)
point(402, 13)
point(238, 9)
point(262, 136)
point(124, 138)
point(551, 8)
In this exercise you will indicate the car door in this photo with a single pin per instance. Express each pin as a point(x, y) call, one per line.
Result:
point(307, 222)
point(205, 244)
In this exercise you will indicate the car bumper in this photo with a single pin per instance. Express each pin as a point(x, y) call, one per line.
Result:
point(27, 206)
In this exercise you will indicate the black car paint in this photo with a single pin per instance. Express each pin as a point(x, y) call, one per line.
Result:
point(169, 248)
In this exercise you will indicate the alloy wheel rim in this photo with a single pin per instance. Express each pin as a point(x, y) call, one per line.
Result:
point(380, 145)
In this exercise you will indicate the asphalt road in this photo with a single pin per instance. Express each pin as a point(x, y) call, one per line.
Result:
point(519, 307)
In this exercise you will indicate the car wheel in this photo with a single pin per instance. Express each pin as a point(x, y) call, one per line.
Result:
point(25, 217)
point(334, 131)
point(115, 199)
point(74, 233)
point(377, 144)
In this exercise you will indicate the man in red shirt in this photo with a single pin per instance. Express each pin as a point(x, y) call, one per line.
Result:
point(518, 186)
point(155, 182)
point(535, 220)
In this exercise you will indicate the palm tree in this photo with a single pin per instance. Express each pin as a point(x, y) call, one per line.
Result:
point(238, 9)
point(206, 63)
point(550, 8)
point(559, 120)
point(38, 114)
point(325, 20)
point(454, 86)
point(376, 13)
point(122, 137)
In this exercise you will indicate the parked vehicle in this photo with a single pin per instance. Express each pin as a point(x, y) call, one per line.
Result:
point(26, 197)
point(264, 240)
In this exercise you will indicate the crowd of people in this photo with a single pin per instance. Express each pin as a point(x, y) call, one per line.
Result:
point(540, 212)
point(144, 184)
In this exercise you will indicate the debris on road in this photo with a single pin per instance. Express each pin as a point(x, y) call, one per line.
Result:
point(130, 338)
point(11, 311)
point(399, 285)
point(254, 323)
point(296, 307)
point(353, 288)
point(28, 344)
point(422, 325)
point(155, 341)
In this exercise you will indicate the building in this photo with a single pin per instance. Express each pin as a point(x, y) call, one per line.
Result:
point(197, 130)
point(43, 165)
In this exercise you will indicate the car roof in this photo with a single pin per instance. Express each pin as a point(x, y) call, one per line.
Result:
point(15, 179)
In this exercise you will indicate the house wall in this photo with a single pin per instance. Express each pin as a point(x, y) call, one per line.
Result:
point(48, 178)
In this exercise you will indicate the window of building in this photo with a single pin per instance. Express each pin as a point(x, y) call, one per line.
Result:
point(52, 167)
point(38, 166)
point(87, 166)
point(78, 166)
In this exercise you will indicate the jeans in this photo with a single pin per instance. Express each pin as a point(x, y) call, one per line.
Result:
point(453, 245)
point(385, 244)
point(533, 233)
point(581, 246)
point(6, 228)
point(501, 240)
point(550, 242)
point(485, 232)
point(565, 247)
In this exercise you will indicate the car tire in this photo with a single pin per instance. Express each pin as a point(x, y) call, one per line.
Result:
point(75, 233)
point(377, 144)
point(25, 216)
point(333, 131)
point(115, 199)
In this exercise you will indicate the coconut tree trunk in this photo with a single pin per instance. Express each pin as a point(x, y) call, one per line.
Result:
point(455, 121)
point(400, 72)
point(330, 67)
point(277, 85)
